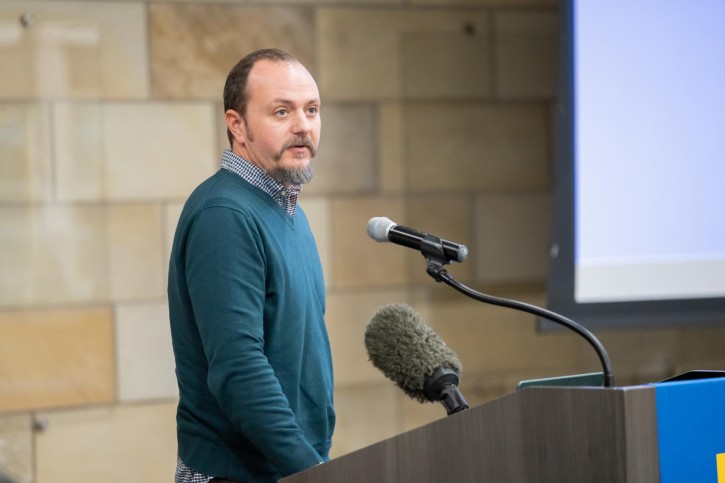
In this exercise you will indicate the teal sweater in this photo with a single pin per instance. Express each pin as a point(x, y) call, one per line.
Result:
point(247, 303)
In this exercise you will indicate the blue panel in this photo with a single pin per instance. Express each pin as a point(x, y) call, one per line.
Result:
point(691, 427)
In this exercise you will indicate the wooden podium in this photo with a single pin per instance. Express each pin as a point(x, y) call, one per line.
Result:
point(538, 435)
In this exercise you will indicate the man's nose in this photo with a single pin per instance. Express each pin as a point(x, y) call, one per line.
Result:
point(301, 123)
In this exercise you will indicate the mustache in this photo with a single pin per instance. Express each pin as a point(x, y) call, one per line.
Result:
point(299, 141)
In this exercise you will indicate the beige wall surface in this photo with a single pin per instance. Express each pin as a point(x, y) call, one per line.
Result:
point(437, 114)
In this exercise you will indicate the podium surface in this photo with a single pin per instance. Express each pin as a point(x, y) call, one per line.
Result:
point(554, 434)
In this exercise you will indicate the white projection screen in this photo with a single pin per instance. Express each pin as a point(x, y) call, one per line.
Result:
point(639, 222)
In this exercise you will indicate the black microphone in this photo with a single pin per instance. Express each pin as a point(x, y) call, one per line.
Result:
point(382, 229)
point(411, 354)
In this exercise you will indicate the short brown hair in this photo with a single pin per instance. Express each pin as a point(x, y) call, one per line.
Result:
point(235, 88)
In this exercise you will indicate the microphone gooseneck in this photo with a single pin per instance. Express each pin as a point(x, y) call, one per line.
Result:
point(411, 354)
point(447, 278)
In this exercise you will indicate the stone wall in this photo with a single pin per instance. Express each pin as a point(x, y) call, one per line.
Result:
point(437, 114)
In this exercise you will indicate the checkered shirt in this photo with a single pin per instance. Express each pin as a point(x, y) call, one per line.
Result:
point(184, 474)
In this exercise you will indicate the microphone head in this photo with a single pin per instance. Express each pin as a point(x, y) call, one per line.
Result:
point(379, 227)
point(406, 350)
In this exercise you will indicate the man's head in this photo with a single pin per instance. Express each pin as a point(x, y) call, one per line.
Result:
point(271, 105)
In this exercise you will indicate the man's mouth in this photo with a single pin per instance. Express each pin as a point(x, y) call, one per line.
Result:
point(299, 144)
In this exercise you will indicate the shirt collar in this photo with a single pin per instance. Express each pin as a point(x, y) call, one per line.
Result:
point(256, 176)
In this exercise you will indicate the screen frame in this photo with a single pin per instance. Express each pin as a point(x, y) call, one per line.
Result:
point(561, 280)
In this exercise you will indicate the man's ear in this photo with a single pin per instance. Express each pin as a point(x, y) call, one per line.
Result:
point(235, 124)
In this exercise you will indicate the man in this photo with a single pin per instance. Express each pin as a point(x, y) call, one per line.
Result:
point(246, 292)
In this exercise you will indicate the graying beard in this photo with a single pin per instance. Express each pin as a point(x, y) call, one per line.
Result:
point(292, 175)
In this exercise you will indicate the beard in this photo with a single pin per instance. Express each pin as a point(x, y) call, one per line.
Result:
point(300, 175)
point(285, 176)
point(288, 176)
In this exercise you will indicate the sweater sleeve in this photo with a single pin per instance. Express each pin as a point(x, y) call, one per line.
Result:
point(226, 278)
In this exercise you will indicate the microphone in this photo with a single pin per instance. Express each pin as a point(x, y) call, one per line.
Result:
point(411, 354)
point(382, 229)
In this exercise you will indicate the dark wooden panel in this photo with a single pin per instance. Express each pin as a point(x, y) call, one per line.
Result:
point(591, 434)
point(535, 435)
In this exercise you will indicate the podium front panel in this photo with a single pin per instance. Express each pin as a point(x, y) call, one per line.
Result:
point(538, 434)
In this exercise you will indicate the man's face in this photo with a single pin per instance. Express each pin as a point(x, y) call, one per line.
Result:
point(281, 128)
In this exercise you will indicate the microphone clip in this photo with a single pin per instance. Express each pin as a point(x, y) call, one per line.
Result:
point(442, 386)
point(435, 256)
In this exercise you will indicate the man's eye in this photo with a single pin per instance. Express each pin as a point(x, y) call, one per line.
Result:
point(281, 112)
point(313, 110)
